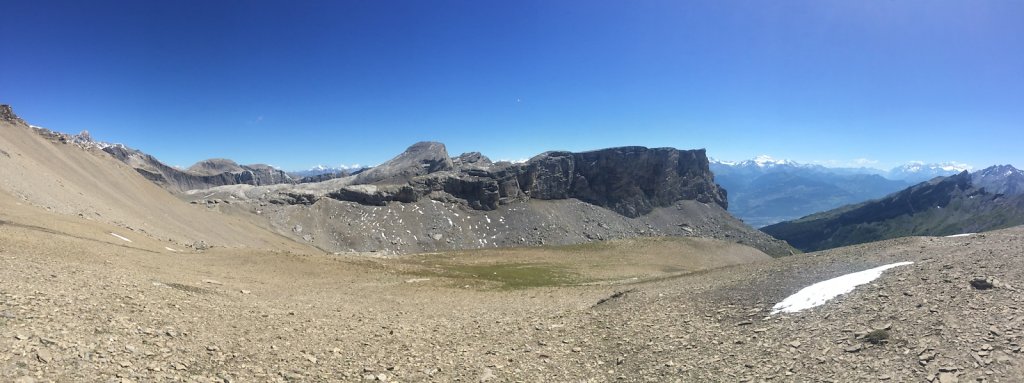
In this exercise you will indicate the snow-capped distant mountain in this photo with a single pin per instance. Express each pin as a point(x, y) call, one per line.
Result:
point(917, 171)
point(759, 162)
point(324, 169)
point(765, 190)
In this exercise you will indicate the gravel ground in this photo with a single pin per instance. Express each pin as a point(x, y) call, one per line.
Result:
point(79, 310)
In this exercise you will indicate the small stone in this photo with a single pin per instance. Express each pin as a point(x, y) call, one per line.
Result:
point(213, 282)
point(487, 375)
point(47, 341)
point(212, 348)
point(288, 375)
point(926, 356)
point(854, 348)
point(44, 356)
point(795, 344)
point(982, 283)
point(948, 377)
point(124, 364)
point(382, 378)
point(311, 358)
point(20, 337)
point(576, 349)
point(245, 291)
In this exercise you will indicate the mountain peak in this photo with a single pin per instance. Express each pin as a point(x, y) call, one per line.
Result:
point(760, 161)
point(917, 171)
point(1000, 179)
point(419, 159)
point(766, 160)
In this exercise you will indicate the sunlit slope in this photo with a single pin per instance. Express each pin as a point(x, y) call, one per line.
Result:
point(70, 179)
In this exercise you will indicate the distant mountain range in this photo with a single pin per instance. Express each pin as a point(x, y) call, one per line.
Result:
point(988, 199)
point(322, 170)
point(764, 190)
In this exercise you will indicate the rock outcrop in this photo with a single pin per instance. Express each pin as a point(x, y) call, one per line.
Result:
point(7, 115)
point(631, 181)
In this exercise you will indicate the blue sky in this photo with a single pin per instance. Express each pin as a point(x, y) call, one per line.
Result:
point(299, 83)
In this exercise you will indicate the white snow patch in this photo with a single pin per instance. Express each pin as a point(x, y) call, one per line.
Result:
point(821, 292)
point(168, 248)
point(960, 235)
point(122, 238)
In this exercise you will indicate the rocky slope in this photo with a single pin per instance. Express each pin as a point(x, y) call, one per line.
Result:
point(72, 176)
point(942, 206)
point(202, 175)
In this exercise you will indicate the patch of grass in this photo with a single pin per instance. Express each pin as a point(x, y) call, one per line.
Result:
point(505, 275)
point(518, 276)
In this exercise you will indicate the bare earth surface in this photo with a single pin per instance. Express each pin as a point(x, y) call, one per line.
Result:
point(74, 308)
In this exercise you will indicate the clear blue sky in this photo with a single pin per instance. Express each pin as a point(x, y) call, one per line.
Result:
point(297, 83)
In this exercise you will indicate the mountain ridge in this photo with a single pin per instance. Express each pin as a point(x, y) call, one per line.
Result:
point(942, 206)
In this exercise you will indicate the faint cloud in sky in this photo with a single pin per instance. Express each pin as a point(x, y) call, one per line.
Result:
point(865, 162)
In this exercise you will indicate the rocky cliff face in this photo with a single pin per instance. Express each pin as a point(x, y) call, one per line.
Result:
point(631, 181)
